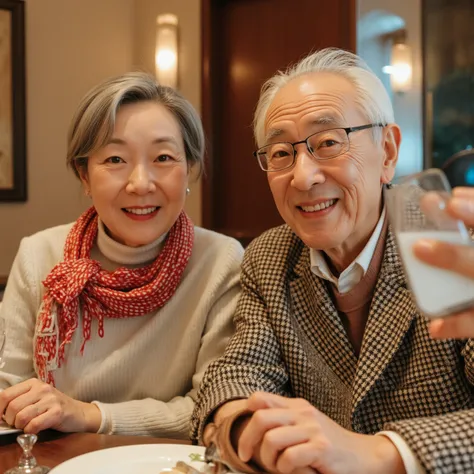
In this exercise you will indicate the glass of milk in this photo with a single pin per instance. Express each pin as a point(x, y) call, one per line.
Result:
point(416, 206)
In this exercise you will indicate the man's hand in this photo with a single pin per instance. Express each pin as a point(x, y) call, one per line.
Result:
point(456, 258)
point(287, 435)
point(221, 413)
point(33, 406)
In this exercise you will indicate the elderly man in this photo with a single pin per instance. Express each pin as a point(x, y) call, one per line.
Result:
point(332, 369)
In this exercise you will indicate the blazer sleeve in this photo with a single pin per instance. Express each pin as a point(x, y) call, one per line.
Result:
point(443, 443)
point(252, 361)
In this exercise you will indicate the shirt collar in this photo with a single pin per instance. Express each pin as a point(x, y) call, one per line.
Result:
point(359, 266)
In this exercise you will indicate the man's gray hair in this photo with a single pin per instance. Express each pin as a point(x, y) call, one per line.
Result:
point(371, 95)
point(94, 121)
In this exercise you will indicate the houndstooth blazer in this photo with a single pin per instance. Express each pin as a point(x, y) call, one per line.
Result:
point(290, 340)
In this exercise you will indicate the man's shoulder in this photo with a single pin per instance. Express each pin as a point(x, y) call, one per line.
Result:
point(277, 248)
point(280, 238)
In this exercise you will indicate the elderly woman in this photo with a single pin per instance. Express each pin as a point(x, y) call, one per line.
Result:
point(112, 320)
point(332, 369)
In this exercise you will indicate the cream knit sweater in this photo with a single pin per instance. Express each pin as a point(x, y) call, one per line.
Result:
point(143, 375)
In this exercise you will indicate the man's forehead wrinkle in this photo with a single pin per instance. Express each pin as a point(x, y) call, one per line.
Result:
point(300, 106)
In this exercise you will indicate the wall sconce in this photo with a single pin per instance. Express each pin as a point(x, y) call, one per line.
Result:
point(400, 69)
point(166, 50)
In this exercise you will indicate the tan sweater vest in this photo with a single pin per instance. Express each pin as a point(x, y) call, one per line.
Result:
point(354, 306)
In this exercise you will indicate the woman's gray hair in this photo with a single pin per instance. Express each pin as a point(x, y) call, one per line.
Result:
point(94, 121)
point(371, 95)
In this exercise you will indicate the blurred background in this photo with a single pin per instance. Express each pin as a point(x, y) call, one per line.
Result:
point(218, 53)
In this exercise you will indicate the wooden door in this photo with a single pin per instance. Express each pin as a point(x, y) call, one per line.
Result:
point(244, 43)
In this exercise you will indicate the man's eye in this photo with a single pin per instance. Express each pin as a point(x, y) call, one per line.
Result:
point(328, 143)
point(114, 160)
point(280, 154)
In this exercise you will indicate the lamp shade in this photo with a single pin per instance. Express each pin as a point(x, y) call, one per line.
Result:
point(401, 68)
point(166, 50)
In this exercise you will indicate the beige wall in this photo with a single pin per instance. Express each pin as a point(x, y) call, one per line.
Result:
point(188, 12)
point(72, 45)
point(408, 106)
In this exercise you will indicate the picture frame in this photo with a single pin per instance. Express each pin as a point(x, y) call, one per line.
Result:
point(13, 179)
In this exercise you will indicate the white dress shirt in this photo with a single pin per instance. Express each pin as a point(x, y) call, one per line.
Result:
point(347, 280)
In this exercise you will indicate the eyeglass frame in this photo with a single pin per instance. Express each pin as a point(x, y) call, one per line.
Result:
point(305, 141)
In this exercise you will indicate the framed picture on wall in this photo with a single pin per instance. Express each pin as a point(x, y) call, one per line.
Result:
point(12, 101)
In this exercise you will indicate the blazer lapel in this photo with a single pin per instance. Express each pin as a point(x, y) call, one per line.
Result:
point(390, 317)
point(317, 316)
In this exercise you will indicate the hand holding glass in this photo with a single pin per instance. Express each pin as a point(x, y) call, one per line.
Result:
point(417, 210)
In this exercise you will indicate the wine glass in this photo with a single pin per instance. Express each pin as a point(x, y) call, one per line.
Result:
point(27, 463)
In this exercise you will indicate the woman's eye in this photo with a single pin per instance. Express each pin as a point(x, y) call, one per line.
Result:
point(114, 160)
point(164, 158)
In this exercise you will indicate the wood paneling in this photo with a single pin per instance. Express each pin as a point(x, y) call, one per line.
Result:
point(244, 43)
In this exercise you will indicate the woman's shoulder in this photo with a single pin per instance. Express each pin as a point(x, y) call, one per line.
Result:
point(36, 256)
point(47, 244)
point(51, 236)
point(205, 238)
point(211, 247)
point(215, 262)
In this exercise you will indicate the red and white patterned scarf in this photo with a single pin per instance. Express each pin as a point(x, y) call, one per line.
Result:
point(79, 283)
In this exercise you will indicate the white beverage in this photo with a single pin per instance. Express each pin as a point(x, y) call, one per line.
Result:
point(437, 292)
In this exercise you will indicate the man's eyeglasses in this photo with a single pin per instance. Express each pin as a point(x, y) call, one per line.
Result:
point(322, 145)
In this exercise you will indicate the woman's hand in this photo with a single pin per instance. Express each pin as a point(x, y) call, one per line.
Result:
point(33, 406)
point(456, 258)
point(291, 436)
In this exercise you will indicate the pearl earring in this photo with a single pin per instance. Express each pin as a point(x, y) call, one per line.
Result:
point(188, 190)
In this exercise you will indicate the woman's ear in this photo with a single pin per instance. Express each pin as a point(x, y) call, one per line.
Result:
point(84, 177)
point(391, 140)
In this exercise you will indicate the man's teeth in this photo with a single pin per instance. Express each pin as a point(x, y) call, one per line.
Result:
point(146, 210)
point(318, 207)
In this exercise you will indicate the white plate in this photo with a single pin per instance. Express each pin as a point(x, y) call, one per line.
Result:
point(7, 429)
point(137, 459)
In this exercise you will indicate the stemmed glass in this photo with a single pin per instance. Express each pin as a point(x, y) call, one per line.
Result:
point(27, 463)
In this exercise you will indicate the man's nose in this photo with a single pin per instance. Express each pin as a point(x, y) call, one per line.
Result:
point(307, 170)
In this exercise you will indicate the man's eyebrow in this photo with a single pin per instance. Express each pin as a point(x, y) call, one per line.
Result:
point(273, 133)
point(322, 120)
point(326, 120)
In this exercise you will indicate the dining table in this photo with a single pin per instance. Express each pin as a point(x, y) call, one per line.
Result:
point(53, 448)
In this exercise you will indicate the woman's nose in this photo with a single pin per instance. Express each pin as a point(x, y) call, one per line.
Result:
point(140, 180)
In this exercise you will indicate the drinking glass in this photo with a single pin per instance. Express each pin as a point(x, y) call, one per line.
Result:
point(27, 463)
point(417, 210)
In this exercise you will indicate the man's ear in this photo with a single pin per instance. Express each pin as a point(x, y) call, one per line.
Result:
point(392, 137)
